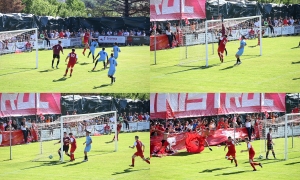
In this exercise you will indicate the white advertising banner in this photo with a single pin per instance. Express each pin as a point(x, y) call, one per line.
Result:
point(111, 39)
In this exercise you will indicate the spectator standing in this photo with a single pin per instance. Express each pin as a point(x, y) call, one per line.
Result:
point(1, 132)
point(248, 126)
point(24, 129)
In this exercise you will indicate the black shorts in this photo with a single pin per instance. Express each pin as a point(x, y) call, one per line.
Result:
point(65, 148)
point(56, 56)
point(270, 147)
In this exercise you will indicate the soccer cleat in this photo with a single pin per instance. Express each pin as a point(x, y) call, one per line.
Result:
point(56, 67)
point(236, 165)
point(260, 165)
point(114, 79)
point(231, 160)
point(254, 169)
point(70, 75)
point(65, 75)
point(83, 53)
point(131, 165)
point(267, 158)
point(52, 67)
point(93, 69)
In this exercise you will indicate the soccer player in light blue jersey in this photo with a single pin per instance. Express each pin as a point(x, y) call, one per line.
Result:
point(103, 57)
point(93, 46)
point(88, 146)
point(112, 62)
point(116, 50)
point(241, 50)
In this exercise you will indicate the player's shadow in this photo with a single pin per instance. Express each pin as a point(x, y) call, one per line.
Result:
point(45, 163)
point(73, 164)
point(296, 78)
point(229, 67)
point(47, 70)
point(230, 173)
point(193, 68)
point(295, 47)
point(183, 154)
point(96, 70)
point(292, 163)
point(298, 62)
point(252, 46)
point(60, 79)
point(212, 170)
point(128, 170)
point(102, 86)
point(84, 63)
point(26, 70)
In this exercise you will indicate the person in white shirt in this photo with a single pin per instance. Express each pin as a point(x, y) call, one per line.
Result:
point(24, 129)
point(291, 21)
point(257, 23)
point(96, 35)
point(275, 22)
point(248, 126)
point(139, 33)
point(67, 33)
point(109, 33)
point(33, 36)
point(56, 35)
point(126, 33)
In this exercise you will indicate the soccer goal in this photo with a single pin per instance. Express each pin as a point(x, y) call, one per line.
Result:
point(19, 49)
point(285, 131)
point(50, 134)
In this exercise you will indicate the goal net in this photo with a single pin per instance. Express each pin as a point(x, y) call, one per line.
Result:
point(51, 134)
point(285, 135)
point(19, 50)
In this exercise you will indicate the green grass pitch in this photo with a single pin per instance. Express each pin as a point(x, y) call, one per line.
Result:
point(277, 70)
point(103, 162)
point(213, 165)
point(18, 73)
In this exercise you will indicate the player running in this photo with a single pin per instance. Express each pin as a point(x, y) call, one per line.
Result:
point(66, 141)
point(222, 43)
point(241, 50)
point(251, 155)
point(72, 61)
point(103, 57)
point(270, 144)
point(116, 50)
point(88, 145)
point(140, 147)
point(112, 62)
point(86, 38)
point(56, 51)
point(231, 151)
point(93, 46)
point(73, 146)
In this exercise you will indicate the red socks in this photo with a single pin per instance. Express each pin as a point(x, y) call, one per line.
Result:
point(66, 71)
point(235, 161)
point(71, 71)
point(147, 161)
point(132, 161)
point(84, 50)
point(252, 165)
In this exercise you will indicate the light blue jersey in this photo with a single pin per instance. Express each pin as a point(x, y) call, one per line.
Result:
point(88, 145)
point(93, 46)
point(112, 66)
point(116, 50)
point(103, 56)
point(241, 50)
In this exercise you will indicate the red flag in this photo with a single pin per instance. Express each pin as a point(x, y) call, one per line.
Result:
point(187, 21)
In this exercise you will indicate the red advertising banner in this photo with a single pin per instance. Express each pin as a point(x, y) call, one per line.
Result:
point(23, 104)
point(163, 10)
point(17, 137)
point(181, 105)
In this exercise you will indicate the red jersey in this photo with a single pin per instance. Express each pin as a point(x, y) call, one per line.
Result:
point(251, 150)
point(72, 57)
point(223, 42)
point(57, 48)
point(295, 110)
point(138, 144)
point(61, 34)
point(28, 45)
point(107, 127)
point(119, 126)
point(140, 117)
point(231, 146)
point(73, 142)
point(86, 36)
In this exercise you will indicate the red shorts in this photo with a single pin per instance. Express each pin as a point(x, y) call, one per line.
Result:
point(221, 50)
point(251, 156)
point(73, 149)
point(230, 154)
point(71, 64)
point(85, 41)
point(141, 154)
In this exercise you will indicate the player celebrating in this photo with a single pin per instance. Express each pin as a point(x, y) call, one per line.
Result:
point(86, 38)
point(72, 61)
point(88, 145)
point(119, 126)
point(251, 155)
point(116, 50)
point(231, 150)
point(241, 50)
point(73, 146)
point(56, 51)
point(112, 67)
point(270, 144)
point(222, 43)
point(66, 141)
point(140, 151)
point(103, 57)
point(94, 44)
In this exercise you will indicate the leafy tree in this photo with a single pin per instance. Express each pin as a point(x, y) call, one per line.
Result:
point(11, 6)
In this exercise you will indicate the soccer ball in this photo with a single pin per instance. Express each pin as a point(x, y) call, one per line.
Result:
point(260, 157)
point(50, 157)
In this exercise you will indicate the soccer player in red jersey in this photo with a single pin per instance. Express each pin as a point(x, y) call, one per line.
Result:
point(251, 155)
point(231, 151)
point(86, 38)
point(73, 146)
point(72, 61)
point(270, 144)
point(140, 147)
point(66, 141)
point(221, 48)
point(56, 51)
point(119, 126)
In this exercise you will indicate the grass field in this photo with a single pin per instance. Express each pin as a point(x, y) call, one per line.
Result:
point(213, 165)
point(277, 70)
point(18, 73)
point(103, 164)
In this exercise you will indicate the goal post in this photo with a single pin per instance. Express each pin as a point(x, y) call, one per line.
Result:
point(232, 22)
point(14, 42)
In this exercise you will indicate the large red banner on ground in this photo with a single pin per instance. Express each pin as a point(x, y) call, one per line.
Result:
point(181, 105)
point(17, 137)
point(23, 104)
point(163, 10)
